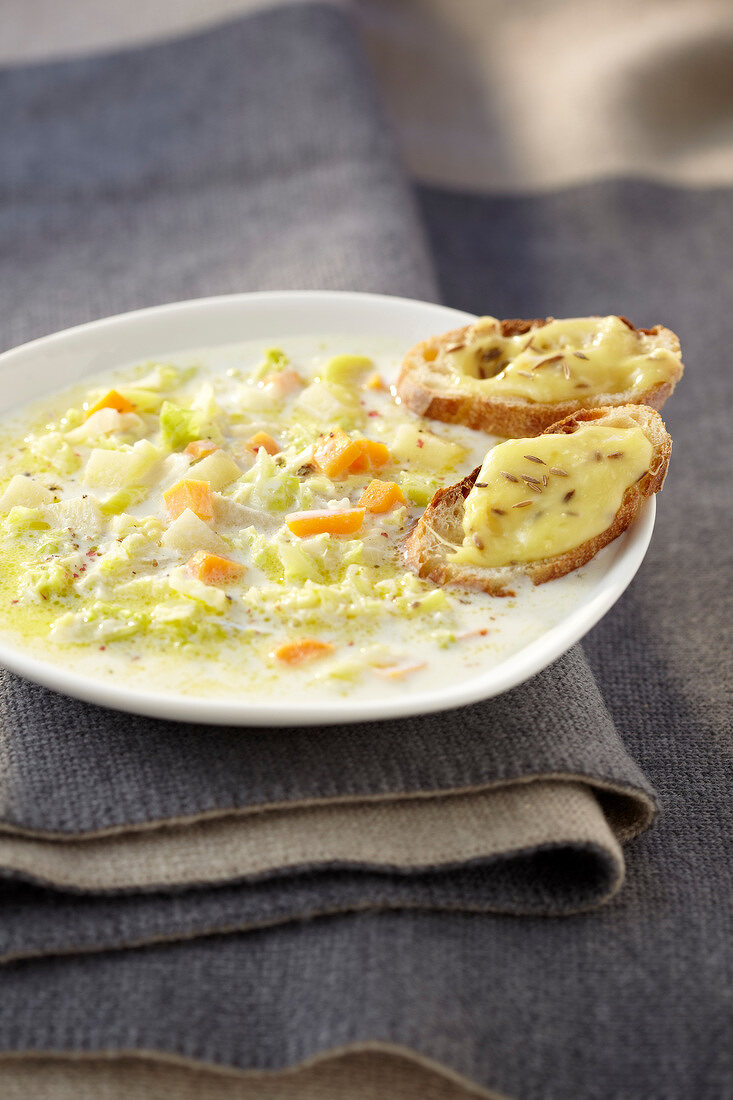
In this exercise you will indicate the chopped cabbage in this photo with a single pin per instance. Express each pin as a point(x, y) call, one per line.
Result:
point(180, 426)
point(266, 485)
point(163, 376)
point(122, 499)
point(19, 520)
point(54, 452)
point(274, 359)
point(194, 589)
point(347, 368)
point(418, 488)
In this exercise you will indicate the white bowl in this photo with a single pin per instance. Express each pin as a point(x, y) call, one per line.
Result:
point(58, 361)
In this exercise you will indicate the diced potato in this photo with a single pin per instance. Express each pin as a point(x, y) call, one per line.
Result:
point(256, 399)
point(189, 533)
point(24, 491)
point(173, 468)
point(410, 444)
point(104, 421)
point(229, 513)
point(121, 469)
point(327, 402)
point(219, 469)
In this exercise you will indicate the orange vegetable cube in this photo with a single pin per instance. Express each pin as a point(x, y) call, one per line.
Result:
point(112, 400)
point(188, 493)
point(377, 453)
point(213, 569)
point(380, 496)
point(334, 453)
point(302, 649)
point(373, 455)
point(200, 448)
point(374, 382)
point(347, 522)
point(262, 439)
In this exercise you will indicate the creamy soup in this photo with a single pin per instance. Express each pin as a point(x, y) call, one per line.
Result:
point(228, 522)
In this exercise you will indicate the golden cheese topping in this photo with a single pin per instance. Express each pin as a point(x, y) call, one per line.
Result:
point(535, 498)
point(566, 360)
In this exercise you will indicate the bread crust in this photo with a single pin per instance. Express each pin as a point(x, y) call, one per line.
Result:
point(426, 390)
point(425, 552)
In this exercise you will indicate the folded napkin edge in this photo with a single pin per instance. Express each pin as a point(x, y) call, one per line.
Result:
point(207, 1068)
point(630, 809)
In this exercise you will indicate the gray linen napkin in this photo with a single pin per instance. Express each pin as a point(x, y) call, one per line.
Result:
point(452, 802)
point(460, 989)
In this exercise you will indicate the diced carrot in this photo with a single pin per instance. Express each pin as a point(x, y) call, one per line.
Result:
point(337, 453)
point(188, 493)
point(303, 524)
point(374, 382)
point(380, 496)
point(200, 448)
point(213, 569)
point(302, 649)
point(373, 455)
point(377, 453)
point(112, 400)
point(334, 453)
point(265, 441)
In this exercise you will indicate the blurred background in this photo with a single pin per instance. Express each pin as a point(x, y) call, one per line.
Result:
point(489, 94)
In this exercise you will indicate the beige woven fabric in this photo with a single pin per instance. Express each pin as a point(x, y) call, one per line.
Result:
point(377, 1073)
point(495, 95)
point(404, 833)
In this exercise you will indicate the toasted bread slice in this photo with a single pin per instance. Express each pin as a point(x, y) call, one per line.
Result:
point(429, 386)
point(440, 529)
